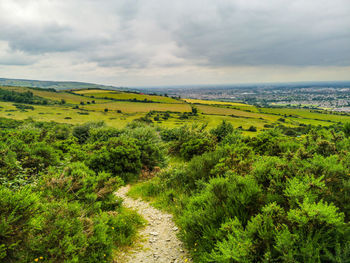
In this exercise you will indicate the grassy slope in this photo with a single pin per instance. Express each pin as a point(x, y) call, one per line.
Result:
point(126, 96)
point(56, 96)
point(132, 107)
point(210, 112)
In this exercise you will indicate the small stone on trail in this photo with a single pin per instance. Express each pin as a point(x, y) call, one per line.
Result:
point(159, 241)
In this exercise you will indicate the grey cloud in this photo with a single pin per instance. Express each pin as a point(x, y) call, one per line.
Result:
point(44, 39)
point(233, 36)
point(16, 60)
point(224, 33)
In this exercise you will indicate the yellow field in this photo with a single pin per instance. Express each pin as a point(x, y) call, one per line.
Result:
point(206, 109)
point(56, 96)
point(210, 112)
point(235, 105)
point(306, 114)
point(126, 96)
point(87, 91)
point(64, 114)
point(214, 102)
point(132, 107)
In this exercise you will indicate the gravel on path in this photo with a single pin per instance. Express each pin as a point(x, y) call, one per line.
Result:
point(159, 240)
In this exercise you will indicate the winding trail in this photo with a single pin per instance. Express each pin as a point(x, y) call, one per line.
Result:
point(159, 240)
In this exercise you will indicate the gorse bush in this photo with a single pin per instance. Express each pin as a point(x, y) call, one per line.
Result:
point(57, 190)
point(188, 142)
point(269, 198)
point(149, 144)
point(17, 211)
point(120, 156)
point(281, 196)
point(222, 130)
point(78, 182)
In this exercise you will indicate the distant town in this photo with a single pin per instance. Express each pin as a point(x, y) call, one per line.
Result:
point(328, 95)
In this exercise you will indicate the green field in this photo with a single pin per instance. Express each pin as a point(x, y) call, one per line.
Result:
point(80, 108)
point(56, 96)
point(117, 95)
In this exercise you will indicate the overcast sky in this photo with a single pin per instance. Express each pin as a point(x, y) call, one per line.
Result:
point(167, 42)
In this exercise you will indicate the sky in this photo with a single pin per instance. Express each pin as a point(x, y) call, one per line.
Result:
point(182, 42)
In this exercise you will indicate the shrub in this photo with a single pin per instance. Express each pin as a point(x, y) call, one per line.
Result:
point(346, 129)
point(9, 166)
point(222, 198)
point(307, 234)
point(195, 146)
point(222, 130)
point(252, 129)
point(118, 156)
point(189, 142)
point(149, 144)
point(40, 157)
point(17, 209)
point(78, 182)
point(103, 134)
point(82, 132)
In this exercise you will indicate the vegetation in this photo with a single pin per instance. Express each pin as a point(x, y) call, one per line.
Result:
point(118, 108)
point(126, 96)
point(57, 189)
point(21, 97)
point(271, 198)
point(281, 195)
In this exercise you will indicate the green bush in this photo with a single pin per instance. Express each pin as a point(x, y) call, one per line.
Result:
point(64, 233)
point(222, 198)
point(17, 209)
point(195, 146)
point(149, 144)
point(315, 232)
point(118, 156)
point(188, 142)
point(103, 134)
point(9, 166)
point(78, 182)
point(82, 132)
point(40, 156)
point(222, 130)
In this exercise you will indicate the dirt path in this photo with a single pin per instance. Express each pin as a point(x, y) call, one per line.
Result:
point(159, 240)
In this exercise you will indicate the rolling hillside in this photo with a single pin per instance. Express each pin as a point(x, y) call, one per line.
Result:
point(117, 108)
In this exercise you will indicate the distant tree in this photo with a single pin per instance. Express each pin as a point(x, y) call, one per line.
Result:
point(82, 103)
point(194, 110)
point(166, 116)
point(93, 102)
point(63, 101)
point(252, 129)
point(183, 116)
point(105, 110)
